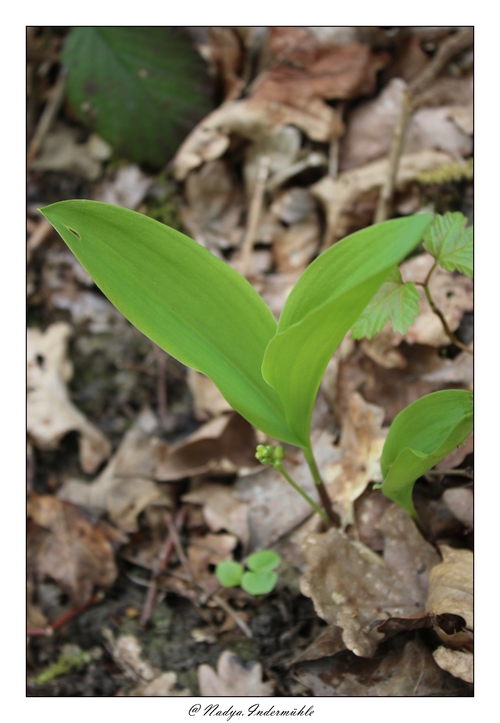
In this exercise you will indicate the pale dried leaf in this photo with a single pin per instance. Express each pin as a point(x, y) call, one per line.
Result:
point(458, 663)
point(51, 414)
point(208, 401)
point(164, 685)
point(451, 585)
point(233, 678)
point(72, 550)
point(352, 587)
point(62, 152)
point(128, 188)
point(124, 488)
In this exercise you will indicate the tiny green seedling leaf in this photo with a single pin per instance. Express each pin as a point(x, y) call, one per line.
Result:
point(450, 242)
point(263, 561)
point(259, 583)
point(395, 301)
point(229, 573)
point(324, 304)
point(420, 436)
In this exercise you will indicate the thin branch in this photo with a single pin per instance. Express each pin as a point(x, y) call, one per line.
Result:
point(65, 617)
point(47, 118)
point(446, 328)
point(254, 213)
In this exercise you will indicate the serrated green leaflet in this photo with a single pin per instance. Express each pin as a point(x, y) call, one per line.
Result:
point(140, 88)
point(326, 301)
point(259, 583)
point(450, 242)
point(193, 305)
point(395, 301)
point(229, 573)
point(420, 436)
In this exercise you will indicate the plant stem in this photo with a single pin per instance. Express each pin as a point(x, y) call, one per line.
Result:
point(301, 492)
point(333, 518)
point(447, 329)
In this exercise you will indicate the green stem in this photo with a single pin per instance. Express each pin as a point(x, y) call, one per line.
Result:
point(440, 314)
point(333, 518)
point(301, 492)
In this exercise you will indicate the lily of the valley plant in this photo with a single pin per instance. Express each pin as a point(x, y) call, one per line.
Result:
point(206, 315)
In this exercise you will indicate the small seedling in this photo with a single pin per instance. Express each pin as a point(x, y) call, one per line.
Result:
point(259, 579)
point(205, 314)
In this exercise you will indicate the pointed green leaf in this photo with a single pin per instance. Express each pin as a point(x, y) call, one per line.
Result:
point(324, 304)
point(192, 304)
point(420, 436)
point(450, 242)
point(141, 88)
point(265, 560)
point(229, 573)
point(259, 583)
point(395, 301)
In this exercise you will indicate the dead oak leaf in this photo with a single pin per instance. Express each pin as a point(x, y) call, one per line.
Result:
point(72, 550)
point(233, 678)
point(221, 509)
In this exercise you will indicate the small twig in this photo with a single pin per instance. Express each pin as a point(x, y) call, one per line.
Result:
point(397, 143)
point(161, 367)
point(450, 47)
point(446, 328)
point(37, 237)
point(449, 473)
point(65, 618)
point(47, 118)
point(165, 553)
point(333, 159)
point(254, 213)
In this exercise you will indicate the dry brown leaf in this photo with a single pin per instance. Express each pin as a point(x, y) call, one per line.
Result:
point(308, 70)
point(225, 52)
point(296, 246)
point(51, 414)
point(72, 550)
point(410, 671)
point(221, 509)
point(209, 550)
point(207, 399)
point(224, 445)
point(352, 587)
point(164, 685)
point(339, 196)
point(451, 591)
point(124, 488)
point(233, 678)
point(215, 203)
point(369, 510)
point(362, 441)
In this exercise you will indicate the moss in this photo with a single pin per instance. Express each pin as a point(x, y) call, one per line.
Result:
point(71, 659)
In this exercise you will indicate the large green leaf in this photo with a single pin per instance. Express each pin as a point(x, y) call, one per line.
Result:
point(181, 296)
point(326, 301)
point(450, 242)
point(395, 301)
point(420, 436)
point(140, 88)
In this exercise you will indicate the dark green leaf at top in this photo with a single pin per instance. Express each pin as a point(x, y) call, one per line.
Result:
point(142, 89)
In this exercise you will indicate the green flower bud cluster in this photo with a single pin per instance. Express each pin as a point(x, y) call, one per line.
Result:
point(267, 454)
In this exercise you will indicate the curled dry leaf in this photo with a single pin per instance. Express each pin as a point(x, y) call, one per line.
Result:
point(207, 400)
point(62, 152)
point(51, 414)
point(128, 188)
point(209, 550)
point(451, 591)
point(410, 671)
point(252, 119)
point(459, 664)
point(223, 445)
point(71, 549)
point(352, 587)
point(233, 678)
point(124, 488)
